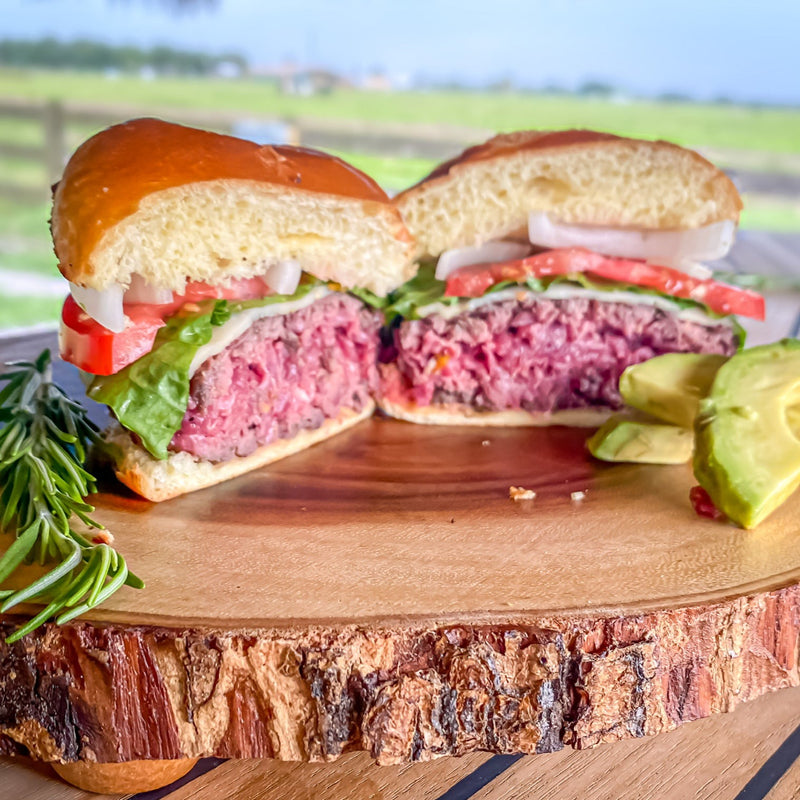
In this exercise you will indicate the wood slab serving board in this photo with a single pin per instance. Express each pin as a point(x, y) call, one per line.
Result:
point(382, 592)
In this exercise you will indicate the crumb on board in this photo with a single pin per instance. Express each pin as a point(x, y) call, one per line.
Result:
point(103, 537)
point(485, 443)
point(576, 497)
point(520, 493)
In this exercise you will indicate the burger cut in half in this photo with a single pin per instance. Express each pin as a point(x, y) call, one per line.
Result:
point(549, 262)
point(215, 297)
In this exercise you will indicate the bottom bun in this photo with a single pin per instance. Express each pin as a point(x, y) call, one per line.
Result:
point(182, 472)
point(127, 777)
point(456, 414)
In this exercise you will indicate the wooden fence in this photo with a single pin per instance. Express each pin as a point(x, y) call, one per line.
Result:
point(64, 125)
point(59, 120)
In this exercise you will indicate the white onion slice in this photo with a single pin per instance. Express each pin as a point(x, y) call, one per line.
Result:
point(140, 291)
point(488, 253)
point(284, 277)
point(675, 248)
point(692, 268)
point(104, 305)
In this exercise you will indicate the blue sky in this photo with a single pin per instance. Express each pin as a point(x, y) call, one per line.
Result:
point(706, 48)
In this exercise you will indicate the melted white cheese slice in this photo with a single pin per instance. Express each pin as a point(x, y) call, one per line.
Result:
point(239, 323)
point(565, 292)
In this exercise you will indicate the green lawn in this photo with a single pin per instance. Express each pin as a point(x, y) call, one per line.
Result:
point(28, 221)
point(24, 235)
point(763, 213)
point(725, 126)
point(20, 312)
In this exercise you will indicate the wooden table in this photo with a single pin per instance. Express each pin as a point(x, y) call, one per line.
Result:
point(748, 754)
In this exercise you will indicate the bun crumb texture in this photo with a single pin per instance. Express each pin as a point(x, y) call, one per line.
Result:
point(169, 203)
point(580, 177)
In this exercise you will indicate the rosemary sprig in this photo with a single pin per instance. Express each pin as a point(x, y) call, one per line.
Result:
point(43, 482)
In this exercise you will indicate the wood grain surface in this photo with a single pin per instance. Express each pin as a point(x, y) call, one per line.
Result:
point(381, 592)
point(395, 523)
point(713, 759)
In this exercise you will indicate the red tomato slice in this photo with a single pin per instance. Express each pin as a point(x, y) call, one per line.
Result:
point(703, 504)
point(85, 343)
point(93, 348)
point(474, 280)
point(240, 289)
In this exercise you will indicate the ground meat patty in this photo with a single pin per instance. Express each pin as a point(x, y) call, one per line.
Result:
point(535, 354)
point(285, 374)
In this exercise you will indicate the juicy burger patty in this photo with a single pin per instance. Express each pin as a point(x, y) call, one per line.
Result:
point(285, 374)
point(539, 355)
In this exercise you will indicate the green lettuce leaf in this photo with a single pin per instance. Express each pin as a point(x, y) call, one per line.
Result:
point(370, 298)
point(597, 285)
point(424, 289)
point(680, 302)
point(740, 332)
point(151, 395)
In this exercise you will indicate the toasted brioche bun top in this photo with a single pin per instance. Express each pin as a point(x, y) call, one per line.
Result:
point(170, 203)
point(580, 177)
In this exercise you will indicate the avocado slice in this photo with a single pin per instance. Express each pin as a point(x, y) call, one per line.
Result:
point(747, 449)
point(625, 439)
point(670, 387)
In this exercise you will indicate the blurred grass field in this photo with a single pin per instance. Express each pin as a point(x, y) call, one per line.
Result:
point(712, 125)
point(766, 139)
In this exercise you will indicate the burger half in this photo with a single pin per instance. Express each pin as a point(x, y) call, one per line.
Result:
point(215, 297)
point(549, 262)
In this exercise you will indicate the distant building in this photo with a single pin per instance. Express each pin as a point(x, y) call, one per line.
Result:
point(295, 79)
point(228, 69)
point(377, 82)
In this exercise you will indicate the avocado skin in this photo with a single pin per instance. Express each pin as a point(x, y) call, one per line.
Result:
point(670, 387)
point(747, 452)
point(625, 440)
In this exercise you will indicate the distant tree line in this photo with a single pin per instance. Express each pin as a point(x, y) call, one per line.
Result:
point(83, 54)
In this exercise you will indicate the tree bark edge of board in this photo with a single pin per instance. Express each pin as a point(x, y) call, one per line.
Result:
point(113, 693)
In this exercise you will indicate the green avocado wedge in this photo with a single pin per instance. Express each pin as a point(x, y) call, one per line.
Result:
point(670, 387)
point(625, 440)
point(747, 436)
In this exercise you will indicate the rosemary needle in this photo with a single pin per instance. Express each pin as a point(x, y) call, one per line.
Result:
point(43, 483)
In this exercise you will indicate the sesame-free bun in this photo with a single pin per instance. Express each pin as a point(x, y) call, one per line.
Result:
point(580, 177)
point(181, 473)
point(459, 414)
point(170, 203)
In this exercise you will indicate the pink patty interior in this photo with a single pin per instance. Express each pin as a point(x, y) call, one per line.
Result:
point(539, 355)
point(285, 374)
